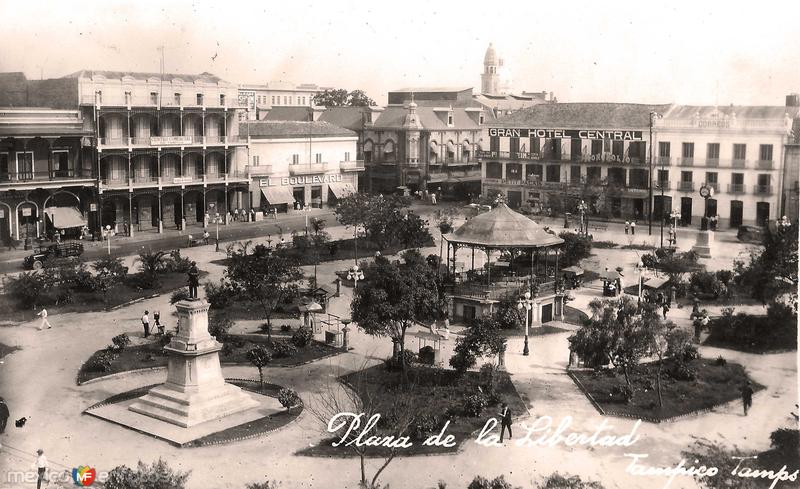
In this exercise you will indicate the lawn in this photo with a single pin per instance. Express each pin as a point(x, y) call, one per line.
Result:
point(714, 385)
point(94, 301)
point(435, 392)
point(234, 350)
point(574, 316)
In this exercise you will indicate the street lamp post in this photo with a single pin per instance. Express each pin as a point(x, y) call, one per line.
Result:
point(640, 270)
point(216, 221)
point(306, 209)
point(355, 274)
point(526, 303)
point(345, 330)
point(582, 209)
point(108, 237)
point(653, 116)
point(674, 216)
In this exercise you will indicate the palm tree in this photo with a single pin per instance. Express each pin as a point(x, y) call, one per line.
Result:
point(151, 263)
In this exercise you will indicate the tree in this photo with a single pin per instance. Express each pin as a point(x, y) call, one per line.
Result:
point(397, 296)
point(151, 263)
point(576, 248)
point(412, 231)
point(615, 333)
point(357, 398)
point(771, 272)
point(260, 358)
point(340, 97)
point(27, 288)
point(159, 475)
point(664, 339)
point(481, 339)
point(380, 216)
point(264, 276)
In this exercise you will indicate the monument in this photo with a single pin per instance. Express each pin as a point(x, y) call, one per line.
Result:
point(705, 237)
point(195, 391)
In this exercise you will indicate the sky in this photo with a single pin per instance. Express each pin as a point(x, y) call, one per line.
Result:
point(645, 51)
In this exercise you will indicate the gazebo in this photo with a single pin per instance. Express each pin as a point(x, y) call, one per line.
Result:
point(525, 250)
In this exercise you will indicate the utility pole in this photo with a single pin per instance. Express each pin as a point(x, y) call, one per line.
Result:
point(653, 116)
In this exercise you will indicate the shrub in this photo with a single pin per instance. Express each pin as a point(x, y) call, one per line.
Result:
point(288, 398)
point(302, 337)
point(157, 475)
point(177, 263)
point(219, 296)
point(166, 338)
point(724, 276)
point(27, 287)
point(283, 349)
point(682, 371)
point(121, 341)
point(483, 483)
point(64, 296)
point(462, 361)
point(604, 244)
point(621, 393)
point(706, 284)
point(179, 295)
point(285, 328)
point(101, 361)
point(473, 405)
point(494, 398)
point(110, 266)
point(219, 326)
point(263, 485)
point(427, 355)
point(576, 248)
point(720, 361)
point(558, 481)
point(424, 425)
point(394, 363)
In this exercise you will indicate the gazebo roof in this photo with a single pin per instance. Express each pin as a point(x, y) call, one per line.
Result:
point(501, 227)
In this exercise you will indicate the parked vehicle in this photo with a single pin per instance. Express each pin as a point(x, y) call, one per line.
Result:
point(751, 234)
point(57, 250)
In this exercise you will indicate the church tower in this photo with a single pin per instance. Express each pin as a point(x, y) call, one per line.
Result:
point(490, 78)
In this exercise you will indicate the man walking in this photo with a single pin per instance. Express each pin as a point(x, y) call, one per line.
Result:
point(45, 322)
point(505, 421)
point(633, 227)
point(747, 397)
point(627, 226)
point(41, 468)
point(146, 324)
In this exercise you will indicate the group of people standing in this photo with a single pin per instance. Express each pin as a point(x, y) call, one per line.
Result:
point(630, 227)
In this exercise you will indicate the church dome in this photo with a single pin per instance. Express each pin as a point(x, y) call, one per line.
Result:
point(490, 58)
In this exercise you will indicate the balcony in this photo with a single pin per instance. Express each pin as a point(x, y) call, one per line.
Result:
point(141, 181)
point(736, 188)
point(258, 170)
point(161, 141)
point(712, 162)
point(58, 177)
point(686, 161)
point(736, 163)
point(762, 190)
point(664, 161)
point(661, 184)
point(765, 165)
point(357, 165)
point(308, 169)
point(686, 186)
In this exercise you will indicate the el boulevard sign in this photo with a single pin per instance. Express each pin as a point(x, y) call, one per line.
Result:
point(302, 180)
point(566, 133)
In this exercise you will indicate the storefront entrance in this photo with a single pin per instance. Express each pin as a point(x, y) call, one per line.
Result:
point(762, 213)
point(686, 210)
point(299, 194)
point(514, 199)
point(737, 211)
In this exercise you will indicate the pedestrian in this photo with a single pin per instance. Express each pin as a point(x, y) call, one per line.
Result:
point(253, 213)
point(433, 198)
point(4, 414)
point(627, 226)
point(194, 280)
point(633, 227)
point(45, 322)
point(157, 322)
point(191, 241)
point(665, 308)
point(205, 236)
point(146, 323)
point(747, 396)
point(41, 468)
point(505, 421)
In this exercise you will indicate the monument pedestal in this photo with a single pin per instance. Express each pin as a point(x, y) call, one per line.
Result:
point(195, 391)
point(705, 239)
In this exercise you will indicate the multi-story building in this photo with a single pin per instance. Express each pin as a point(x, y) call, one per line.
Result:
point(169, 149)
point(553, 156)
point(260, 98)
point(791, 167)
point(294, 164)
point(48, 174)
point(425, 139)
point(738, 151)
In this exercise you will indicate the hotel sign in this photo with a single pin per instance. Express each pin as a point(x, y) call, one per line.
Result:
point(301, 180)
point(598, 134)
point(170, 140)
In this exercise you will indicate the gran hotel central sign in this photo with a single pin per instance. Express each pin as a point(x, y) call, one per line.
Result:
point(566, 133)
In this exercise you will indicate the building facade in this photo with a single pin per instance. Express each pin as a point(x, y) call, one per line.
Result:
point(429, 142)
point(551, 157)
point(294, 164)
point(169, 151)
point(47, 161)
point(258, 98)
point(738, 151)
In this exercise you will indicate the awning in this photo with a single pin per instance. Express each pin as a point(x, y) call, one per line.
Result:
point(277, 195)
point(481, 145)
point(451, 147)
point(367, 145)
point(465, 145)
point(388, 146)
point(434, 146)
point(65, 217)
point(342, 189)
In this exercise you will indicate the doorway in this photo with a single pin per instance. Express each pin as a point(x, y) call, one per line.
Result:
point(299, 194)
point(686, 210)
point(638, 208)
point(547, 313)
point(737, 211)
point(762, 213)
point(514, 199)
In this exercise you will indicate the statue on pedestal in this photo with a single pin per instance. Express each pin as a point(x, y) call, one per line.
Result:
point(194, 280)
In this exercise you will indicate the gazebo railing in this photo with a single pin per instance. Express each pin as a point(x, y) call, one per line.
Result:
point(500, 290)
